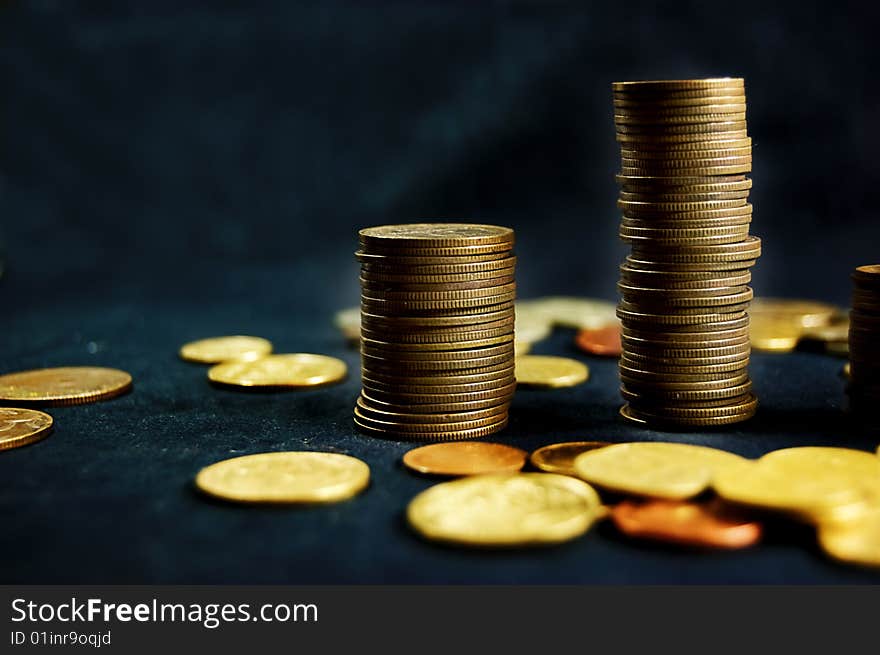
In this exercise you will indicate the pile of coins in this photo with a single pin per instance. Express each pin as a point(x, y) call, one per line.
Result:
point(864, 343)
point(684, 287)
point(437, 330)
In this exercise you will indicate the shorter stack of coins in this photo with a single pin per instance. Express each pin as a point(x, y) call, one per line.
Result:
point(864, 344)
point(684, 288)
point(437, 330)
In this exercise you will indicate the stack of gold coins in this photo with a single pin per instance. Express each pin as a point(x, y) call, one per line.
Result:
point(864, 343)
point(437, 345)
point(684, 288)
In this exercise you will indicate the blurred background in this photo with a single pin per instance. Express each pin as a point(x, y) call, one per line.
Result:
point(229, 151)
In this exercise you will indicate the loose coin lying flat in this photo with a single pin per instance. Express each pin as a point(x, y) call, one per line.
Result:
point(803, 313)
point(20, 427)
point(773, 335)
point(349, 323)
point(294, 370)
point(577, 313)
point(285, 477)
point(604, 341)
point(505, 510)
point(707, 525)
point(853, 542)
point(70, 385)
point(661, 470)
point(549, 372)
point(559, 457)
point(460, 458)
point(221, 349)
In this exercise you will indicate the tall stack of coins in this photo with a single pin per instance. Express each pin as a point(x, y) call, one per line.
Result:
point(864, 343)
point(437, 342)
point(684, 287)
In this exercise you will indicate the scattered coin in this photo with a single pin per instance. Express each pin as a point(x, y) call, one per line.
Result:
point(20, 427)
point(853, 542)
point(221, 349)
point(349, 323)
point(569, 312)
point(71, 385)
point(673, 471)
point(706, 525)
point(460, 458)
point(832, 338)
point(559, 457)
point(803, 313)
point(524, 509)
point(549, 372)
point(289, 370)
point(285, 477)
point(773, 335)
point(604, 341)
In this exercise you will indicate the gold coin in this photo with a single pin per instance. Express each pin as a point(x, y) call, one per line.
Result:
point(660, 113)
point(294, 370)
point(570, 312)
point(436, 234)
point(70, 385)
point(853, 542)
point(559, 457)
point(773, 335)
point(661, 470)
point(221, 349)
point(801, 313)
point(524, 509)
point(550, 372)
point(349, 323)
point(441, 433)
point(285, 477)
point(673, 86)
point(665, 140)
point(459, 458)
point(454, 268)
point(20, 427)
point(662, 103)
point(652, 120)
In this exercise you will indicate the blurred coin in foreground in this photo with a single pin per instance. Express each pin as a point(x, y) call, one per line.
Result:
point(523, 509)
point(20, 427)
point(221, 349)
point(285, 477)
point(604, 341)
point(549, 372)
point(69, 385)
point(291, 370)
point(559, 457)
point(459, 458)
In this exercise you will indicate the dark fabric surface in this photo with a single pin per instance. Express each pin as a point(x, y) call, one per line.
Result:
point(175, 172)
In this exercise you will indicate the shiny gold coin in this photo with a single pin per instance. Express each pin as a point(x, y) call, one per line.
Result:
point(801, 313)
point(550, 372)
point(453, 268)
point(679, 129)
point(290, 370)
point(401, 415)
point(664, 140)
point(403, 348)
point(661, 112)
point(436, 234)
point(853, 542)
point(20, 427)
point(441, 433)
point(559, 457)
point(415, 260)
point(656, 469)
point(460, 458)
point(682, 206)
point(662, 103)
point(679, 185)
point(676, 86)
point(475, 304)
point(71, 385)
point(531, 324)
point(773, 335)
point(525, 509)
point(221, 349)
point(285, 477)
point(663, 420)
point(654, 121)
point(411, 428)
point(349, 323)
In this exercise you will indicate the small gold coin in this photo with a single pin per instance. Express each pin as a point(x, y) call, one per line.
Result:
point(293, 370)
point(853, 542)
point(522, 509)
point(70, 385)
point(772, 334)
point(20, 427)
point(222, 349)
point(285, 477)
point(559, 457)
point(802, 313)
point(349, 323)
point(660, 470)
point(458, 458)
point(550, 372)
point(578, 313)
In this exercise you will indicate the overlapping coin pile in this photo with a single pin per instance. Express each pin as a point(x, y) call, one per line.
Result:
point(684, 287)
point(437, 330)
point(864, 343)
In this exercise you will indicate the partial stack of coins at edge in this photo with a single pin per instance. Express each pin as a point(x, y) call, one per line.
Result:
point(437, 330)
point(684, 288)
point(864, 344)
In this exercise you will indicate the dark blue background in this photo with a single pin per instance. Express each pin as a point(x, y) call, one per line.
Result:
point(178, 170)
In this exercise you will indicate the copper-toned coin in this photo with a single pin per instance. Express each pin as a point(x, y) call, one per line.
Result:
point(465, 458)
point(707, 525)
point(71, 385)
point(559, 457)
point(603, 341)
